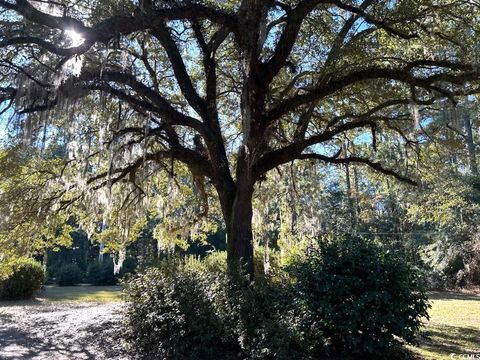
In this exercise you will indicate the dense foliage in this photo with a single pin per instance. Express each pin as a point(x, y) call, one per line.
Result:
point(347, 297)
point(101, 273)
point(20, 278)
point(361, 297)
point(69, 275)
point(169, 314)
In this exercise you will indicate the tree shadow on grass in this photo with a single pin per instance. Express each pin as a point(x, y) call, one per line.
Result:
point(447, 339)
point(451, 295)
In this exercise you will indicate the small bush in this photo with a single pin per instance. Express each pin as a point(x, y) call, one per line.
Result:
point(101, 273)
point(434, 279)
point(69, 275)
point(360, 297)
point(21, 278)
point(454, 271)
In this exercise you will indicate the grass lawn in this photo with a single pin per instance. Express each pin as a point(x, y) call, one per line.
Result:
point(454, 326)
point(81, 293)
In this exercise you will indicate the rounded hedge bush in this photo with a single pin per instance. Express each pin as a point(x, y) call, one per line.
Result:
point(69, 275)
point(21, 278)
point(361, 297)
point(101, 273)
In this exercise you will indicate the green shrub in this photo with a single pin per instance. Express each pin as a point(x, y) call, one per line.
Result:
point(454, 271)
point(168, 314)
point(360, 297)
point(263, 320)
point(348, 297)
point(20, 278)
point(69, 275)
point(193, 310)
point(101, 273)
point(129, 266)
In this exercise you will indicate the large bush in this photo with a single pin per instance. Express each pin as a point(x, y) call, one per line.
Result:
point(194, 310)
point(20, 278)
point(69, 275)
point(169, 314)
point(361, 297)
point(101, 273)
point(347, 297)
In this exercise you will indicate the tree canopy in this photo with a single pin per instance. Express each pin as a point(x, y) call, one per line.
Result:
point(121, 103)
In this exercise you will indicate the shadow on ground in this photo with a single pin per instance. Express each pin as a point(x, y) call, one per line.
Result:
point(20, 303)
point(46, 331)
point(451, 295)
point(17, 344)
point(447, 339)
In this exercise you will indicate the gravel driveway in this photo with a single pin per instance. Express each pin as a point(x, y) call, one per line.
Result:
point(60, 331)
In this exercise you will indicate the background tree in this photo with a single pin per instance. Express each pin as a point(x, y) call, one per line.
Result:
point(230, 89)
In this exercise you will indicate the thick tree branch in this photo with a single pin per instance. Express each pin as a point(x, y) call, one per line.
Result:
point(162, 33)
point(189, 157)
point(288, 38)
point(91, 80)
point(272, 159)
point(358, 160)
point(7, 94)
point(30, 40)
point(108, 28)
point(382, 24)
point(338, 43)
point(162, 105)
point(402, 75)
point(209, 66)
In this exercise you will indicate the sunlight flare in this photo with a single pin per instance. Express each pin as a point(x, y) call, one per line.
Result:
point(75, 38)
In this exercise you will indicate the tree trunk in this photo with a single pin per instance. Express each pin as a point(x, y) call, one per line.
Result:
point(100, 252)
point(119, 260)
point(350, 199)
point(470, 144)
point(45, 260)
point(237, 211)
point(240, 234)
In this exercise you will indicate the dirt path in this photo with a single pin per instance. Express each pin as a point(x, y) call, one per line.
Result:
point(43, 330)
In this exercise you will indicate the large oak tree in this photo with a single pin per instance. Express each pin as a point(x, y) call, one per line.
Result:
point(232, 89)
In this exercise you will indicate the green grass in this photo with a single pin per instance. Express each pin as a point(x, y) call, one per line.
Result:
point(81, 293)
point(454, 326)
